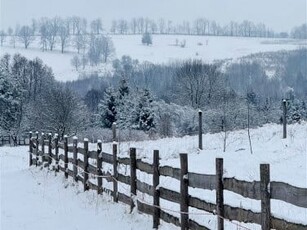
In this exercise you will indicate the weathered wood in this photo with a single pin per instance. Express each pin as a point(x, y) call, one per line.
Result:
point(200, 129)
point(144, 167)
point(75, 156)
point(265, 197)
point(201, 204)
point(169, 195)
point(49, 149)
point(65, 155)
point(277, 223)
point(193, 225)
point(123, 160)
point(80, 164)
point(106, 157)
point(70, 149)
point(43, 146)
point(244, 188)
point(133, 184)
point(288, 193)
point(91, 169)
point(168, 218)
point(115, 173)
point(85, 160)
point(56, 146)
point(114, 138)
point(99, 166)
point(156, 192)
point(144, 187)
point(37, 148)
point(203, 181)
point(61, 145)
point(30, 149)
point(219, 194)
point(81, 150)
point(145, 208)
point(284, 119)
point(92, 186)
point(170, 172)
point(124, 198)
point(61, 157)
point(241, 215)
point(184, 191)
point(92, 154)
point(124, 179)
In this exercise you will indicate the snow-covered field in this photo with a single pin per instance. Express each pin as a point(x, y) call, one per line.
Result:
point(163, 50)
point(37, 199)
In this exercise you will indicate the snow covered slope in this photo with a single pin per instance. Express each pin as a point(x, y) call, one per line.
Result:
point(165, 48)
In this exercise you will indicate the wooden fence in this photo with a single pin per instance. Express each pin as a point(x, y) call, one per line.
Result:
point(45, 150)
point(13, 140)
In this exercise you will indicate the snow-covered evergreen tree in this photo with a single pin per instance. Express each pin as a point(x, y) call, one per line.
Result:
point(146, 114)
point(108, 108)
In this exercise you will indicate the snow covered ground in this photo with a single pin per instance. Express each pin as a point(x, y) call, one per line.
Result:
point(163, 50)
point(37, 199)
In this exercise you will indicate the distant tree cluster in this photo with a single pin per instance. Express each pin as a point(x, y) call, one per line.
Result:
point(30, 99)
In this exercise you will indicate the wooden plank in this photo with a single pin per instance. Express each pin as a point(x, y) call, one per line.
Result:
point(288, 193)
point(124, 198)
point(247, 189)
point(85, 160)
point(91, 169)
point(277, 223)
point(145, 208)
point(170, 172)
point(123, 160)
point(99, 166)
point(194, 225)
point(219, 193)
point(144, 167)
point(61, 157)
point(106, 157)
point(169, 195)
point(75, 158)
point(115, 173)
point(81, 150)
point(80, 164)
point(265, 197)
point(70, 149)
point(144, 187)
point(92, 186)
point(203, 181)
point(124, 179)
point(133, 177)
point(156, 192)
point(201, 204)
point(168, 218)
point(241, 215)
point(92, 154)
point(61, 145)
point(184, 191)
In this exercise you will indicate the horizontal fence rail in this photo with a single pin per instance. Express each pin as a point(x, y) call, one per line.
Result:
point(86, 167)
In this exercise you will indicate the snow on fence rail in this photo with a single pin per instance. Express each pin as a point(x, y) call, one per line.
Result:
point(45, 150)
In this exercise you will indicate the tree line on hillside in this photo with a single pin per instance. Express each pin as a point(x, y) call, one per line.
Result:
point(76, 30)
point(154, 100)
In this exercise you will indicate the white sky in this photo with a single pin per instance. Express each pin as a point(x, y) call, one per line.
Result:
point(280, 15)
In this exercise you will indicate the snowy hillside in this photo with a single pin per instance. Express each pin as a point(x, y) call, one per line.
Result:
point(37, 199)
point(165, 48)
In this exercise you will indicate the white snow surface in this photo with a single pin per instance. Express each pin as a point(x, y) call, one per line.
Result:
point(163, 50)
point(34, 198)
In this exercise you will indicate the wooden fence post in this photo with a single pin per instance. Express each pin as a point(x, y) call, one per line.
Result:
point(184, 191)
point(284, 118)
point(115, 173)
point(30, 149)
point(156, 191)
point(56, 146)
point(37, 148)
point(66, 156)
point(200, 130)
point(99, 166)
point(49, 149)
point(265, 197)
point(75, 156)
point(132, 177)
point(43, 147)
point(219, 193)
point(85, 160)
point(114, 131)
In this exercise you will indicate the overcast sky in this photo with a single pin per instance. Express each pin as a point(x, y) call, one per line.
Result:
point(280, 15)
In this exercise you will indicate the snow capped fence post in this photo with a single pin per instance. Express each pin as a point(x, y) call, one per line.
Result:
point(99, 166)
point(49, 149)
point(85, 162)
point(200, 129)
point(265, 196)
point(66, 156)
point(156, 192)
point(219, 193)
point(75, 156)
point(184, 191)
point(114, 131)
point(43, 147)
point(132, 177)
point(30, 149)
point(56, 146)
point(115, 173)
point(36, 149)
point(284, 118)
